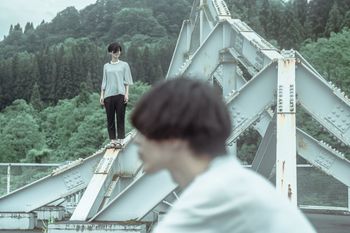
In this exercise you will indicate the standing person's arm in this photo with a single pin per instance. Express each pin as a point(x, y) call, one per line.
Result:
point(102, 97)
point(127, 81)
point(126, 96)
point(103, 86)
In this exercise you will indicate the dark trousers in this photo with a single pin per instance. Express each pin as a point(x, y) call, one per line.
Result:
point(115, 105)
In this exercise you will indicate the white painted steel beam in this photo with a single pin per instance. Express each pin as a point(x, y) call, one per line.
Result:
point(251, 47)
point(244, 106)
point(109, 166)
point(97, 188)
point(139, 198)
point(206, 58)
point(324, 157)
point(225, 74)
point(286, 171)
point(181, 50)
point(206, 22)
point(325, 103)
point(265, 157)
point(62, 182)
point(317, 153)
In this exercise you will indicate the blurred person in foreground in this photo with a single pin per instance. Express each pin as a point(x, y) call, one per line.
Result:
point(183, 125)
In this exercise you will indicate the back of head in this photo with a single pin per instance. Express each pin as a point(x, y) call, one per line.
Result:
point(185, 109)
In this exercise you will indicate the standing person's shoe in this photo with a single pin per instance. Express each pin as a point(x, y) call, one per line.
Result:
point(118, 145)
point(111, 145)
point(114, 145)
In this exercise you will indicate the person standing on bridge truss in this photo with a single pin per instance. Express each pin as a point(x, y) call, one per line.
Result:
point(183, 125)
point(115, 94)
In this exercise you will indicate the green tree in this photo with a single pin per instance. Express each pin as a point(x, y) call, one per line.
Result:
point(130, 21)
point(19, 133)
point(291, 31)
point(90, 135)
point(170, 14)
point(331, 57)
point(346, 21)
point(29, 27)
point(300, 8)
point(273, 26)
point(84, 96)
point(318, 12)
point(136, 63)
point(136, 92)
point(335, 20)
point(35, 98)
point(264, 15)
point(66, 23)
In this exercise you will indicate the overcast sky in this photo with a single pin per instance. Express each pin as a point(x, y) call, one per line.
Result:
point(23, 11)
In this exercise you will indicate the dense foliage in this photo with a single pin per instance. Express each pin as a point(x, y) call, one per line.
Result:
point(71, 129)
point(50, 75)
point(71, 49)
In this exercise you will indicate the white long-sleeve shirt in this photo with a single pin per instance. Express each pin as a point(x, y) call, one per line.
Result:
point(228, 198)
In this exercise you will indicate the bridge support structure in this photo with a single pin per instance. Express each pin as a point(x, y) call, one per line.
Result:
point(262, 87)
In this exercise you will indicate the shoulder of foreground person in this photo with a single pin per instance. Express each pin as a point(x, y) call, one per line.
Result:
point(228, 197)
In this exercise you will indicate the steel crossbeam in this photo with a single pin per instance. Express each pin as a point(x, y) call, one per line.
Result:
point(65, 180)
point(324, 157)
point(245, 108)
point(206, 58)
point(215, 47)
point(138, 199)
point(265, 157)
point(181, 49)
point(114, 163)
point(98, 186)
point(319, 154)
point(325, 103)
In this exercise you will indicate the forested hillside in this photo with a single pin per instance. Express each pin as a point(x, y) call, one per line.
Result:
point(71, 49)
point(69, 130)
point(50, 74)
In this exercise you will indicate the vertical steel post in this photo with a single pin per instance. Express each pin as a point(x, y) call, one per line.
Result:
point(286, 181)
point(349, 199)
point(201, 24)
point(8, 178)
point(228, 72)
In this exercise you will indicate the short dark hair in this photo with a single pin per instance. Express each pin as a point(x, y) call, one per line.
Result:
point(187, 109)
point(114, 47)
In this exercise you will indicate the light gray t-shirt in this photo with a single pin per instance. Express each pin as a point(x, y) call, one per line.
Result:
point(115, 76)
point(228, 198)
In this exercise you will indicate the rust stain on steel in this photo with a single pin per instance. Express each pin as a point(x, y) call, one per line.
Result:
point(302, 144)
point(282, 180)
point(281, 118)
point(290, 192)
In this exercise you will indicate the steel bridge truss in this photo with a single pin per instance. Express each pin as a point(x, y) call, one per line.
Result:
point(110, 186)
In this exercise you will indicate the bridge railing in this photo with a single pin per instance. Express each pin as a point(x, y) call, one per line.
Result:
point(316, 190)
point(16, 175)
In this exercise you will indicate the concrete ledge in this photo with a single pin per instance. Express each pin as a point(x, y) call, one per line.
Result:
point(325, 210)
point(100, 227)
point(50, 213)
point(17, 221)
